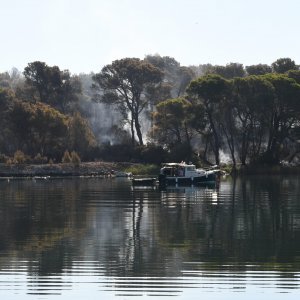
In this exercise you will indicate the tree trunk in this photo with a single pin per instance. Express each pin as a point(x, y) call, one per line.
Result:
point(216, 147)
point(138, 130)
point(132, 131)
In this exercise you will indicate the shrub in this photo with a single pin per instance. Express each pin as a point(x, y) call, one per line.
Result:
point(141, 169)
point(66, 158)
point(153, 154)
point(39, 159)
point(75, 158)
point(20, 157)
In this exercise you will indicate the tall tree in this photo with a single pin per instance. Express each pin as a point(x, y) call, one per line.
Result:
point(52, 86)
point(260, 69)
point(284, 114)
point(7, 101)
point(250, 95)
point(283, 65)
point(171, 122)
point(176, 76)
point(124, 83)
point(229, 71)
point(210, 91)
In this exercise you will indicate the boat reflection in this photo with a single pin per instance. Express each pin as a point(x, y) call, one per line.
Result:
point(179, 195)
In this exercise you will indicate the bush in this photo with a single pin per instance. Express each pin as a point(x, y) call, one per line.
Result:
point(66, 158)
point(153, 154)
point(39, 159)
point(75, 158)
point(117, 153)
point(140, 169)
point(20, 158)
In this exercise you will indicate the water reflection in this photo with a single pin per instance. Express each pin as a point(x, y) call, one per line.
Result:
point(74, 237)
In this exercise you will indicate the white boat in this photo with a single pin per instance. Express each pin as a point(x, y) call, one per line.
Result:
point(186, 174)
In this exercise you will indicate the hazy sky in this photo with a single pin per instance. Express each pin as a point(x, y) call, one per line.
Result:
point(84, 35)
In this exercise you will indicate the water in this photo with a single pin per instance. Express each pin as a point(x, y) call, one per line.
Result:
point(101, 239)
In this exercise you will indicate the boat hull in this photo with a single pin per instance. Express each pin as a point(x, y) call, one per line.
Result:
point(165, 180)
point(143, 181)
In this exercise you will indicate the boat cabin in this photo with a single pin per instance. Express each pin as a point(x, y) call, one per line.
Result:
point(184, 174)
point(179, 170)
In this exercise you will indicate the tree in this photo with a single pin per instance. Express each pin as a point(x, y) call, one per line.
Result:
point(39, 128)
point(175, 76)
point(283, 65)
point(249, 96)
point(81, 137)
point(259, 69)
point(295, 74)
point(7, 100)
point(185, 76)
point(124, 83)
point(284, 113)
point(229, 71)
point(52, 86)
point(171, 122)
point(210, 91)
point(4, 80)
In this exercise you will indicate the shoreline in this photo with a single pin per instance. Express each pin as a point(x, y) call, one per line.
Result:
point(105, 169)
point(61, 169)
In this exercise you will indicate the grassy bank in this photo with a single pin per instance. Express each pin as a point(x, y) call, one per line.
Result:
point(142, 169)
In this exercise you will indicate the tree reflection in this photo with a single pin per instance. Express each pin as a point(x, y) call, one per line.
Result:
point(55, 225)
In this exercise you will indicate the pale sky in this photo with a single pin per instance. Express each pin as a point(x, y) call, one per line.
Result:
point(85, 35)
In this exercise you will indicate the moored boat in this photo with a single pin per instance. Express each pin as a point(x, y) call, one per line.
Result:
point(185, 174)
point(143, 181)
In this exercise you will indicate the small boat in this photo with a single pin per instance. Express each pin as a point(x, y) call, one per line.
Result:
point(143, 181)
point(186, 174)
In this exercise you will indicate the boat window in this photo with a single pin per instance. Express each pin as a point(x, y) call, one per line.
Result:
point(190, 168)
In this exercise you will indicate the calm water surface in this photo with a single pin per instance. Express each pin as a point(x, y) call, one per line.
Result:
point(101, 239)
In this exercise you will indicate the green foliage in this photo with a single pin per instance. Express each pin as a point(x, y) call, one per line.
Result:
point(283, 65)
point(209, 92)
point(52, 86)
point(250, 94)
point(256, 117)
point(294, 74)
point(229, 71)
point(143, 169)
point(171, 121)
point(260, 69)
